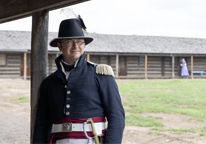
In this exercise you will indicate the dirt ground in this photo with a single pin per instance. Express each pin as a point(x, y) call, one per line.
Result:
point(15, 121)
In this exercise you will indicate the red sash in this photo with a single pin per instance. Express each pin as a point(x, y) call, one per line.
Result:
point(75, 135)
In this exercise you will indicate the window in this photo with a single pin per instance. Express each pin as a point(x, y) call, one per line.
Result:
point(2, 59)
point(141, 60)
point(175, 60)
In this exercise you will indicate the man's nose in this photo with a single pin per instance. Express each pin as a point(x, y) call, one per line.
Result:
point(74, 44)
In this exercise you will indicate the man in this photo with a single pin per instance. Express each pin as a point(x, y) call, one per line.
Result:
point(78, 90)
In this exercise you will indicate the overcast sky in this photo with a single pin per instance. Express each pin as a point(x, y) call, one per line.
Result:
point(179, 18)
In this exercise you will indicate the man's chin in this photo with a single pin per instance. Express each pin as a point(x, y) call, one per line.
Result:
point(76, 57)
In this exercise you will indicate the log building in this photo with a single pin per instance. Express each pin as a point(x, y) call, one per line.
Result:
point(129, 56)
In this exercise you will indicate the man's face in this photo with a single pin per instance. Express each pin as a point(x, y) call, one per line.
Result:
point(71, 49)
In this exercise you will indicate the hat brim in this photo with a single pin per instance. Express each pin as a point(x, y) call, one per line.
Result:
point(53, 42)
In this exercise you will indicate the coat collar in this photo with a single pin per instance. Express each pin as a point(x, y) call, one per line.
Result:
point(79, 64)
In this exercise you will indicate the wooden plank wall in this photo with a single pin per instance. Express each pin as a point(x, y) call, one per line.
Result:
point(14, 63)
point(110, 60)
point(168, 67)
point(113, 63)
point(154, 67)
point(51, 66)
point(199, 64)
point(136, 70)
point(133, 68)
point(103, 60)
point(12, 67)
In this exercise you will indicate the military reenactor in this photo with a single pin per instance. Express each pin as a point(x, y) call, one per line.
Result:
point(79, 103)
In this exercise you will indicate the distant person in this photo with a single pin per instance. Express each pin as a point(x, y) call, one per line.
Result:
point(184, 70)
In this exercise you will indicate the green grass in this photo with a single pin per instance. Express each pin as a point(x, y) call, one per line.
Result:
point(20, 99)
point(202, 131)
point(137, 120)
point(155, 132)
point(185, 97)
point(180, 131)
point(202, 134)
point(159, 131)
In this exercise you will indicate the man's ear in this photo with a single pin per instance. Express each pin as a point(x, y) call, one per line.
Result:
point(59, 46)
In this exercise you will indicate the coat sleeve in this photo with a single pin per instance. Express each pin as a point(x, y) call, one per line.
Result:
point(113, 108)
point(42, 128)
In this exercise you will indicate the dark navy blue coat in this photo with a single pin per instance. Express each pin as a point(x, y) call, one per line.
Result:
point(88, 94)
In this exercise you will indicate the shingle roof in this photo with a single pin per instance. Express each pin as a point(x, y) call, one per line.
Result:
point(15, 40)
point(123, 44)
point(147, 44)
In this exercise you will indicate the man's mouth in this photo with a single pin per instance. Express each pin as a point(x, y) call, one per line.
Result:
point(74, 51)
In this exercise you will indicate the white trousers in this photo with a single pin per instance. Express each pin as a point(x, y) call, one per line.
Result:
point(75, 141)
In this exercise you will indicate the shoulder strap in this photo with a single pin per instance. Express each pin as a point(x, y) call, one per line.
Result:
point(91, 63)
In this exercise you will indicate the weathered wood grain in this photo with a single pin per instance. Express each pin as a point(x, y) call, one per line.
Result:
point(39, 56)
point(15, 9)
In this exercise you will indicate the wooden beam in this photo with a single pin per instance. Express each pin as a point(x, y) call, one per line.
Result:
point(178, 66)
point(25, 65)
point(109, 60)
point(173, 66)
point(117, 65)
point(39, 56)
point(16, 9)
point(163, 66)
point(88, 57)
point(191, 67)
point(145, 66)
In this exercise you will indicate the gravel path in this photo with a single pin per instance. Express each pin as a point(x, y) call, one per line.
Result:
point(14, 130)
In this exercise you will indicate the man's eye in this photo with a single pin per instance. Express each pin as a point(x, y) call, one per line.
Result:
point(79, 42)
point(69, 42)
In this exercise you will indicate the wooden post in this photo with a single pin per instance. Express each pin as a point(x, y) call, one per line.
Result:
point(88, 57)
point(117, 66)
point(163, 66)
point(25, 65)
point(39, 56)
point(191, 67)
point(145, 66)
point(173, 66)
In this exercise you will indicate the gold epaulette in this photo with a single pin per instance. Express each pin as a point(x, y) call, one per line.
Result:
point(104, 70)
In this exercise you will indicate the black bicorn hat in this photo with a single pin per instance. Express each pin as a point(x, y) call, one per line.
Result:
point(70, 29)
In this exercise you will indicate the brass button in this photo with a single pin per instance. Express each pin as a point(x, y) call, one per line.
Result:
point(65, 86)
point(67, 105)
point(68, 92)
point(67, 113)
